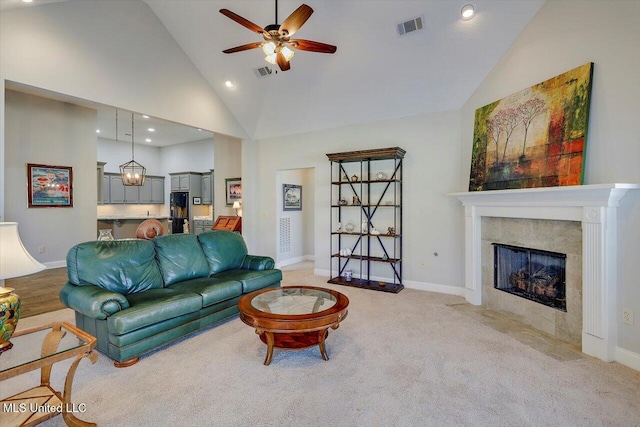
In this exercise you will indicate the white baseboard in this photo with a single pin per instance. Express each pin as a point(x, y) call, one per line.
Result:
point(434, 287)
point(320, 272)
point(55, 264)
point(628, 358)
point(410, 284)
point(295, 260)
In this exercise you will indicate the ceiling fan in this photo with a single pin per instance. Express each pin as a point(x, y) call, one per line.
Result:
point(277, 42)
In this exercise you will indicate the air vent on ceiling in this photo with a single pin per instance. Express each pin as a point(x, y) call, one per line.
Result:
point(263, 71)
point(413, 24)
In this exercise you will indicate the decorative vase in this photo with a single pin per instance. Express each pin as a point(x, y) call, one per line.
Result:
point(105, 235)
point(9, 316)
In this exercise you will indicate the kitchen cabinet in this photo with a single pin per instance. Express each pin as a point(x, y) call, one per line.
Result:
point(187, 181)
point(200, 225)
point(152, 192)
point(101, 193)
point(157, 190)
point(104, 193)
point(207, 188)
point(116, 189)
point(120, 193)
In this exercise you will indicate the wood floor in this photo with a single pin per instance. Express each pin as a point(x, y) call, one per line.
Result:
point(39, 292)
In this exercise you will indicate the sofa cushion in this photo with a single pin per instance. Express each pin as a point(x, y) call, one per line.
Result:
point(153, 306)
point(252, 279)
point(180, 258)
point(122, 266)
point(225, 250)
point(211, 289)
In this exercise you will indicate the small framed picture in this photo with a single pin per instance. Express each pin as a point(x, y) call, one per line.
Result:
point(49, 186)
point(234, 190)
point(291, 197)
point(197, 200)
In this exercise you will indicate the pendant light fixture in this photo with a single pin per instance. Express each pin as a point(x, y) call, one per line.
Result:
point(132, 172)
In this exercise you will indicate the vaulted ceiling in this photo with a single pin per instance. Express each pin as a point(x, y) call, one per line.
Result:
point(375, 73)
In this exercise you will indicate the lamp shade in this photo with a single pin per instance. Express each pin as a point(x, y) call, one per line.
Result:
point(236, 205)
point(15, 261)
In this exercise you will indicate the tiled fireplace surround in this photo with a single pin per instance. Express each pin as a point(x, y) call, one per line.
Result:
point(594, 206)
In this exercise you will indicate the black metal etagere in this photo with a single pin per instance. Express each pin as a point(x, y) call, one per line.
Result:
point(376, 258)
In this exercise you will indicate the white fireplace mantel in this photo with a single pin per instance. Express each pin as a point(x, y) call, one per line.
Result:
point(595, 207)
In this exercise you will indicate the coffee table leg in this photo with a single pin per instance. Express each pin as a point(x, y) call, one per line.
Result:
point(322, 335)
point(270, 343)
point(68, 417)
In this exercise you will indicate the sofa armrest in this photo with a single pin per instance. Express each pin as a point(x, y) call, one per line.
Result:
point(92, 301)
point(255, 262)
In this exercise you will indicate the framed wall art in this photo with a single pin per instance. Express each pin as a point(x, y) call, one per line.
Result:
point(291, 197)
point(49, 186)
point(197, 200)
point(534, 138)
point(234, 190)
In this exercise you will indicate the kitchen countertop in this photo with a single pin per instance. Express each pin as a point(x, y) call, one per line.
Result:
point(202, 218)
point(130, 217)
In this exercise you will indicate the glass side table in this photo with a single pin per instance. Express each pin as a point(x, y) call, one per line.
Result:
point(39, 348)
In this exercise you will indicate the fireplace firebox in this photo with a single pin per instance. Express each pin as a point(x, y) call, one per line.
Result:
point(533, 274)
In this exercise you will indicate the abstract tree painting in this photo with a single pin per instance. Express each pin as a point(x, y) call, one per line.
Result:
point(533, 138)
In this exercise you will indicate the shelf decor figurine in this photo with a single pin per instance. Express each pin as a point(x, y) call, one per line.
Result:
point(339, 229)
point(391, 231)
point(354, 178)
point(365, 227)
point(349, 227)
point(374, 232)
point(380, 176)
point(356, 201)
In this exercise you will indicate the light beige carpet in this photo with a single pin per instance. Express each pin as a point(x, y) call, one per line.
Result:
point(411, 359)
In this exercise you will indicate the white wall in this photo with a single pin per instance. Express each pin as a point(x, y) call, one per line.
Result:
point(115, 153)
point(112, 52)
point(49, 132)
point(562, 36)
point(228, 164)
point(301, 222)
point(433, 222)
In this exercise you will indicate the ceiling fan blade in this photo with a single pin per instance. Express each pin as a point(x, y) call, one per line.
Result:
point(295, 20)
point(243, 47)
point(244, 22)
point(312, 46)
point(282, 62)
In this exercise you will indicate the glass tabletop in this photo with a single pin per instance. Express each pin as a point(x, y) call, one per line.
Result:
point(292, 301)
point(29, 347)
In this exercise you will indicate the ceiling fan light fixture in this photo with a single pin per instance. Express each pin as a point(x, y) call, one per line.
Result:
point(468, 12)
point(271, 59)
point(288, 53)
point(269, 48)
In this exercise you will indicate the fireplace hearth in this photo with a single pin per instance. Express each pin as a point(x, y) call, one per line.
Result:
point(532, 274)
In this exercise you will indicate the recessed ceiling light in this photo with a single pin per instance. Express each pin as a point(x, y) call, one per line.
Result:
point(97, 130)
point(145, 116)
point(27, 1)
point(229, 83)
point(151, 130)
point(148, 140)
point(468, 12)
point(199, 130)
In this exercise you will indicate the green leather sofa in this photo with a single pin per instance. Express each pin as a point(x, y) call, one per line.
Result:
point(136, 295)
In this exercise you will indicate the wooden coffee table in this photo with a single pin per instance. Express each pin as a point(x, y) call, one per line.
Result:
point(39, 348)
point(293, 317)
